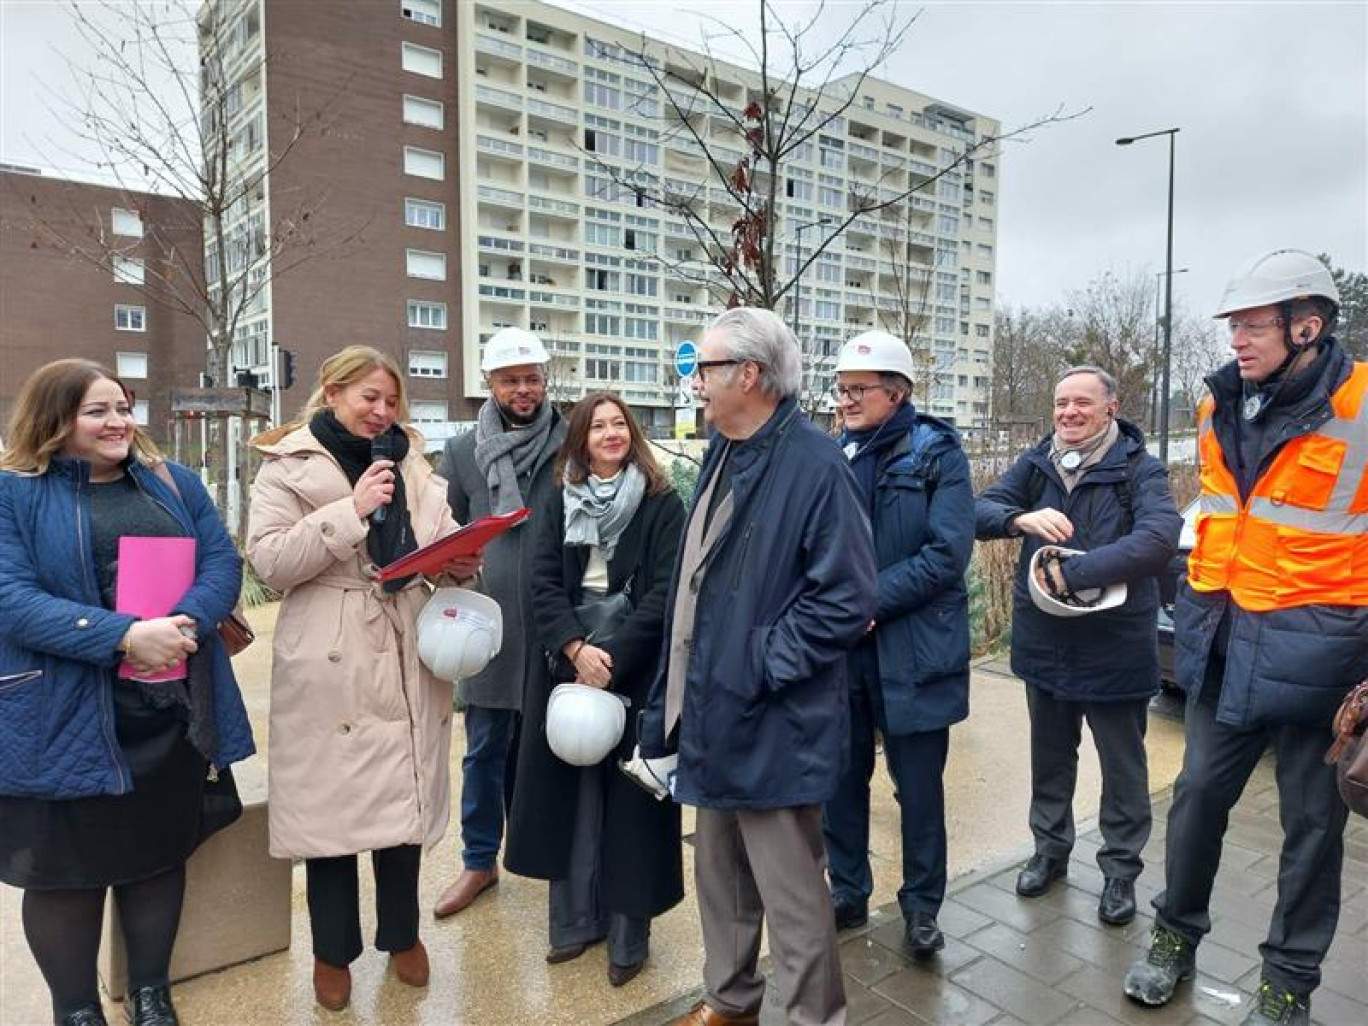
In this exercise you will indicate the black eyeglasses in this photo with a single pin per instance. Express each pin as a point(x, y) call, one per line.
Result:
point(706, 365)
point(855, 393)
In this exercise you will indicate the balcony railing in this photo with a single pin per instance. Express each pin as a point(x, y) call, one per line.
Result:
point(554, 111)
point(552, 63)
point(537, 249)
point(542, 156)
point(502, 47)
point(551, 206)
point(501, 245)
point(491, 144)
point(498, 97)
point(554, 299)
point(502, 292)
point(506, 197)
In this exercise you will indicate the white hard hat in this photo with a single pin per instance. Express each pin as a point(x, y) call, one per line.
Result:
point(1095, 599)
point(655, 776)
point(512, 347)
point(876, 351)
point(584, 724)
point(1277, 277)
point(459, 632)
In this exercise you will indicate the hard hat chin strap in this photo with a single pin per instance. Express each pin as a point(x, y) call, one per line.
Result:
point(1256, 403)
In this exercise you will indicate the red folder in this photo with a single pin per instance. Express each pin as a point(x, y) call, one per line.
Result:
point(465, 542)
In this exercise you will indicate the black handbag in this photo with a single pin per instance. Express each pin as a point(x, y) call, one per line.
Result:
point(220, 807)
point(601, 616)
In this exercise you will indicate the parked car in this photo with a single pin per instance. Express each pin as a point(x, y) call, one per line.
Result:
point(1168, 591)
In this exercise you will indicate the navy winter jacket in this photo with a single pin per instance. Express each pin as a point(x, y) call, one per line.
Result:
point(59, 645)
point(923, 519)
point(789, 588)
point(1110, 655)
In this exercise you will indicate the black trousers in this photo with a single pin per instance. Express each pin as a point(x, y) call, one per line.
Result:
point(1124, 817)
point(335, 904)
point(1217, 764)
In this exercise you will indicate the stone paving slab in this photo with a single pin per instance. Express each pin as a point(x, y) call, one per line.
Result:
point(1049, 961)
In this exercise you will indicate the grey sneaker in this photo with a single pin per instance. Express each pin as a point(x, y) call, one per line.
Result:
point(1171, 960)
point(1278, 1006)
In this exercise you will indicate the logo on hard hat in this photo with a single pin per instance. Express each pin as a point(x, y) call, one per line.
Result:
point(863, 349)
point(524, 350)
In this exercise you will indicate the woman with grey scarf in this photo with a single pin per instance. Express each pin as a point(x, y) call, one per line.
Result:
point(610, 851)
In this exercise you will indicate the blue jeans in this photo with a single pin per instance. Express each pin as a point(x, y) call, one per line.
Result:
point(916, 762)
point(484, 776)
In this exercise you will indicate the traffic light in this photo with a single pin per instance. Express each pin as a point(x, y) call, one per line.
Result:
point(287, 368)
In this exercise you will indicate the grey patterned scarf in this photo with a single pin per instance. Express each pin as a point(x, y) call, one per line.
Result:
point(598, 511)
point(504, 453)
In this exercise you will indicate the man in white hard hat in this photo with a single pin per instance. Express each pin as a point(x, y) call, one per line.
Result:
point(909, 675)
point(1089, 486)
point(1271, 624)
point(501, 466)
point(774, 582)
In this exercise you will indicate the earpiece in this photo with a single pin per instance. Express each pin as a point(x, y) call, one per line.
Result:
point(1305, 335)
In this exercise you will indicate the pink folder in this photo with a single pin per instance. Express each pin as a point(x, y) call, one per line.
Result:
point(154, 575)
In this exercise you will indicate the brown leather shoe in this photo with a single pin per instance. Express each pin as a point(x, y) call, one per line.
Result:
point(411, 966)
point(701, 1015)
point(467, 887)
point(332, 985)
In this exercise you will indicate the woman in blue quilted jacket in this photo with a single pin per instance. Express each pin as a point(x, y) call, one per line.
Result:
point(115, 731)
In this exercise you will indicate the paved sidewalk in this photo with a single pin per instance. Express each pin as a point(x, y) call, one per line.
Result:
point(1049, 960)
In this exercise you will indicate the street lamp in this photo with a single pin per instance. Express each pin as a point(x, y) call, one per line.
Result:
point(798, 279)
point(1168, 291)
point(1154, 392)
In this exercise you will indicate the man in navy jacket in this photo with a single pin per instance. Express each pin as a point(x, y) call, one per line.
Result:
point(774, 582)
point(1091, 486)
point(909, 676)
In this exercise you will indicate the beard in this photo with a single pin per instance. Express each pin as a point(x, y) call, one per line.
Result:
point(515, 419)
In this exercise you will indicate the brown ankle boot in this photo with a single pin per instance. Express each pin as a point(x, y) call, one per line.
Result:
point(411, 966)
point(332, 985)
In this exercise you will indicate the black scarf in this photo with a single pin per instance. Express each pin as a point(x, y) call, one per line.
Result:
point(392, 537)
point(871, 443)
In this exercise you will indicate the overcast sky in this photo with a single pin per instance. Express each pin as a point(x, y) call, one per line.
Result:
point(1272, 100)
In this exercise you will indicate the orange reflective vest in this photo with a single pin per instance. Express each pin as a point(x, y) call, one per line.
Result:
point(1301, 538)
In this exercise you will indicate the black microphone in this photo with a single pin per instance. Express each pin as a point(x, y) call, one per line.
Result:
point(382, 448)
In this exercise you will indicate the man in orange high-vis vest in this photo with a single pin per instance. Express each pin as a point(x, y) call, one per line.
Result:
point(1271, 626)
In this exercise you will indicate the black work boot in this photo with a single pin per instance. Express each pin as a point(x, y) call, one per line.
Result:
point(1278, 1006)
point(1038, 873)
point(1171, 960)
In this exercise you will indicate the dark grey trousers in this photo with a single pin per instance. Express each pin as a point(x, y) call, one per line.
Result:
point(577, 915)
point(1118, 730)
point(1217, 763)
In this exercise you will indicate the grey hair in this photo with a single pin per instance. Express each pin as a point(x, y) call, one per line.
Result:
point(1108, 382)
point(761, 336)
point(897, 384)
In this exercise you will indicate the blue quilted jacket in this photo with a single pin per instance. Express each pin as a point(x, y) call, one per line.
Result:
point(59, 645)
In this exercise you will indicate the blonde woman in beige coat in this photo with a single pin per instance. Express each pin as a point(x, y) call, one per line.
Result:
point(360, 730)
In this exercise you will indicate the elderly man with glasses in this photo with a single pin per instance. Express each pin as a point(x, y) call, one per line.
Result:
point(775, 581)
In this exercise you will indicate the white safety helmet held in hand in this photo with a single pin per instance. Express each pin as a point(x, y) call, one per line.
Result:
point(1277, 277)
point(876, 351)
point(1091, 600)
point(654, 776)
point(459, 632)
point(512, 347)
point(584, 724)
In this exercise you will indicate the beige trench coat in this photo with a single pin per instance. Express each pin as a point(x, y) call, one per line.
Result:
point(360, 730)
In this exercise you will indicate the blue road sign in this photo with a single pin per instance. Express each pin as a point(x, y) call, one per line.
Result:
point(686, 359)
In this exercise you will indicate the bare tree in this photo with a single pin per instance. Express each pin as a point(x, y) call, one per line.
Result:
point(907, 313)
point(1114, 322)
point(1030, 349)
point(802, 84)
point(164, 103)
point(1199, 347)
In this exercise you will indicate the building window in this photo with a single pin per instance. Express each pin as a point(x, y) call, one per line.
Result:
point(425, 214)
point(427, 363)
point(422, 60)
point(423, 314)
point(424, 163)
point(131, 365)
point(428, 411)
point(424, 113)
point(130, 318)
point(424, 12)
point(981, 330)
point(983, 277)
point(126, 222)
point(422, 264)
point(142, 414)
point(127, 270)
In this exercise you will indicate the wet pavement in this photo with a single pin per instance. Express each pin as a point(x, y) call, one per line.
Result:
point(1008, 959)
